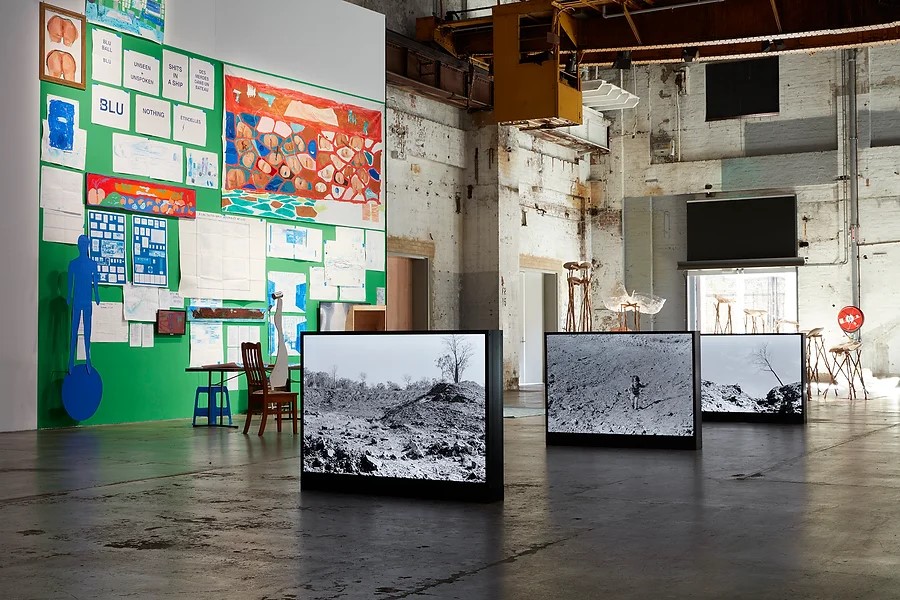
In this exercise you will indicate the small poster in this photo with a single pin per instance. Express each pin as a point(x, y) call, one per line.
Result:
point(107, 57)
point(110, 107)
point(189, 125)
point(203, 93)
point(152, 116)
point(141, 72)
point(175, 76)
point(107, 236)
point(151, 253)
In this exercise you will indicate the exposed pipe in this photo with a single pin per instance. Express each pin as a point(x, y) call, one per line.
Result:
point(658, 8)
point(851, 55)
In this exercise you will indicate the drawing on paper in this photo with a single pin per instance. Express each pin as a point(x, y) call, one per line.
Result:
point(61, 123)
point(63, 142)
point(107, 234)
point(144, 18)
point(202, 169)
point(62, 46)
point(151, 254)
point(141, 197)
point(294, 326)
point(293, 155)
point(293, 286)
point(134, 155)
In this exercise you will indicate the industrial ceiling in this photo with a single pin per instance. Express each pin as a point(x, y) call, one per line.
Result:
point(656, 31)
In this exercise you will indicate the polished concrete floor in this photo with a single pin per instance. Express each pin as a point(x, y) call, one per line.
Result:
point(166, 511)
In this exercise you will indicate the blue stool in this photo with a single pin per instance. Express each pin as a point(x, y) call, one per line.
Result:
point(211, 411)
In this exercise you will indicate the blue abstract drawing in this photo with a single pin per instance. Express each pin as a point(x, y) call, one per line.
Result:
point(82, 387)
point(150, 251)
point(61, 123)
point(107, 237)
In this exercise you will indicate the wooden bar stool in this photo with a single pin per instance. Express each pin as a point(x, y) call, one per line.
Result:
point(725, 327)
point(757, 318)
point(782, 324)
point(847, 362)
point(816, 357)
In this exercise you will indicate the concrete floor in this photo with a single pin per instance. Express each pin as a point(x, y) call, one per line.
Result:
point(165, 511)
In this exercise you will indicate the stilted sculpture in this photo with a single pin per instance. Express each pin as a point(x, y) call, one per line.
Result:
point(573, 282)
point(579, 277)
point(755, 318)
point(587, 309)
point(726, 326)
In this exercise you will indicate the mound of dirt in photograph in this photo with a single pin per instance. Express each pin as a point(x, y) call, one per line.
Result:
point(589, 385)
point(784, 400)
point(727, 399)
point(436, 433)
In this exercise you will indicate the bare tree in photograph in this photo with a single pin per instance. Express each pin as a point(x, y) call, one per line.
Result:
point(762, 359)
point(454, 362)
point(334, 376)
point(362, 380)
point(407, 381)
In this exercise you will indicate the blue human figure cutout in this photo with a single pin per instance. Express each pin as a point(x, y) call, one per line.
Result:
point(83, 287)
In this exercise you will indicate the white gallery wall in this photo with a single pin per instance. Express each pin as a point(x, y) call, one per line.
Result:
point(338, 45)
point(330, 43)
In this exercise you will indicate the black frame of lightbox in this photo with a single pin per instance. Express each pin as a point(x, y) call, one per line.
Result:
point(490, 490)
point(743, 417)
point(612, 440)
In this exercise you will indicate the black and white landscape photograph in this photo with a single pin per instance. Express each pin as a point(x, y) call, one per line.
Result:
point(409, 406)
point(621, 384)
point(761, 374)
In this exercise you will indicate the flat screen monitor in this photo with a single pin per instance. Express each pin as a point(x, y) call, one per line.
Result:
point(623, 389)
point(403, 413)
point(740, 230)
point(753, 377)
point(170, 322)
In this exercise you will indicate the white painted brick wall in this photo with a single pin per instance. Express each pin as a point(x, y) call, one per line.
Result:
point(719, 154)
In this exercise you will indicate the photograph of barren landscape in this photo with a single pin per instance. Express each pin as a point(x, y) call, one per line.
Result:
point(409, 406)
point(620, 384)
point(760, 374)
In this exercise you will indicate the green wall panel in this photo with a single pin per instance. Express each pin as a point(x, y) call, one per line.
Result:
point(140, 384)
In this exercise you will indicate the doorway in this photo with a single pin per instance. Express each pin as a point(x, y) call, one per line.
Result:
point(407, 294)
point(539, 315)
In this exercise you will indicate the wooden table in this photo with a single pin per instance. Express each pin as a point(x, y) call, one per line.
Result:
point(222, 370)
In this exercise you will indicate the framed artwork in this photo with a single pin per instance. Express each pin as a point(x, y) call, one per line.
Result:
point(62, 47)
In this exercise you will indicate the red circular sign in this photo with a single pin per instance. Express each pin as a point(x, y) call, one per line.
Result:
point(851, 319)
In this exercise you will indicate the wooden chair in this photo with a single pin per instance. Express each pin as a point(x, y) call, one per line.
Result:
point(262, 399)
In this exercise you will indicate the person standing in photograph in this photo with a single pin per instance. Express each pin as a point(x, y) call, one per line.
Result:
point(636, 387)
